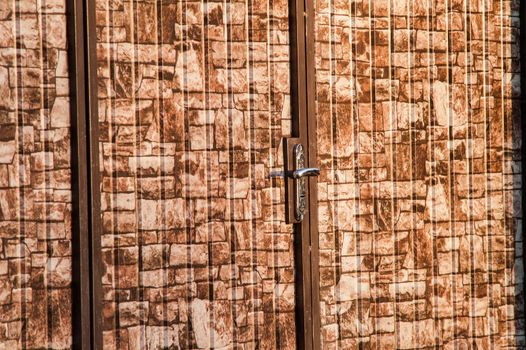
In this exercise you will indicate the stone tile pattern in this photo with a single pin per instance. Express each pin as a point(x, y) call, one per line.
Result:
point(420, 198)
point(194, 102)
point(35, 185)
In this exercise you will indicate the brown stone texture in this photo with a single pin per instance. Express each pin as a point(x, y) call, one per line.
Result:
point(35, 186)
point(419, 143)
point(193, 104)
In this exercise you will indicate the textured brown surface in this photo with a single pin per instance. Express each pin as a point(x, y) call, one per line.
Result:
point(35, 186)
point(194, 101)
point(420, 197)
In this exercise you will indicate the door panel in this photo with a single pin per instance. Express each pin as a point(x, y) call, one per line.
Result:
point(35, 177)
point(420, 216)
point(194, 100)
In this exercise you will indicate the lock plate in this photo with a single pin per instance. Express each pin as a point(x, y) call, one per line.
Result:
point(295, 189)
point(289, 160)
point(300, 188)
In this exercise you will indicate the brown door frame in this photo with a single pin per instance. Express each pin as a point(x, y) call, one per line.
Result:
point(303, 108)
point(86, 289)
point(86, 308)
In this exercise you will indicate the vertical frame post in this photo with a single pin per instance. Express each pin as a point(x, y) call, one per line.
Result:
point(312, 154)
point(86, 315)
point(301, 14)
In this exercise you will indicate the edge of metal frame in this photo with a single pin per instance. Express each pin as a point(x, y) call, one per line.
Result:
point(312, 154)
point(301, 13)
point(86, 315)
point(522, 45)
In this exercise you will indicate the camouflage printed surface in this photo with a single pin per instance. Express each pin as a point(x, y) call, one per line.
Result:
point(35, 177)
point(194, 102)
point(420, 202)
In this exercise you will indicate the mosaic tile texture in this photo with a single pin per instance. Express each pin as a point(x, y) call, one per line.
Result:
point(420, 198)
point(194, 102)
point(35, 185)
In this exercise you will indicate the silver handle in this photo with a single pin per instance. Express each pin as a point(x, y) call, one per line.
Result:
point(304, 172)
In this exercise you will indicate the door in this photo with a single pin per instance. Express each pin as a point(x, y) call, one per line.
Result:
point(419, 198)
point(194, 104)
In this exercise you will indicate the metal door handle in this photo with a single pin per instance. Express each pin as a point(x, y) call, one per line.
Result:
point(296, 173)
point(304, 172)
